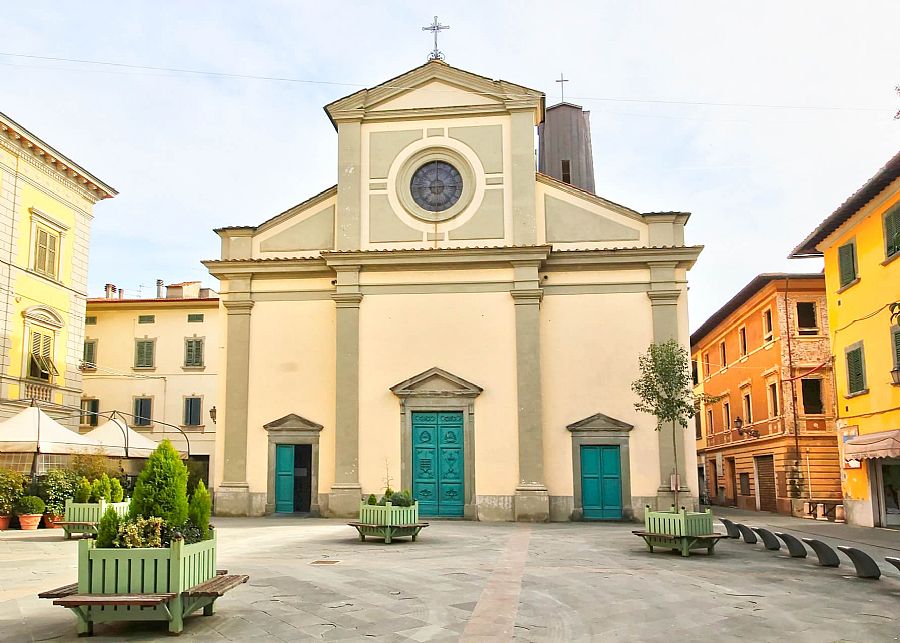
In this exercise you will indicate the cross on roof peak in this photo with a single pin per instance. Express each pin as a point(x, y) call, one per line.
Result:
point(436, 27)
point(562, 88)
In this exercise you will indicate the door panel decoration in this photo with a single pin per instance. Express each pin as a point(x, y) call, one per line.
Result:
point(438, 463)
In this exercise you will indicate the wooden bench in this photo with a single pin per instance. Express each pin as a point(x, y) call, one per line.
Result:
point(683, 544)
point(388, 532)
point(199, 596)
point(77, 527)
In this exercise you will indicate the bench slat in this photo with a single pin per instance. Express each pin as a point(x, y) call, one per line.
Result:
point(363, 524)
point(671, 537)
point(217, 586)
point(137, 600)
point(59, 592)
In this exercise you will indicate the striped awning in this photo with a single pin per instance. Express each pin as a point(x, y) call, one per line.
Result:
point(884, 444)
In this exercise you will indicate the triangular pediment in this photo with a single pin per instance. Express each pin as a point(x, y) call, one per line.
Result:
point(293, 422)
point(436, 382)
point(600, 422)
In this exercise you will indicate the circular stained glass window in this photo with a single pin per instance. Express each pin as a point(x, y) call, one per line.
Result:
point(436, 186)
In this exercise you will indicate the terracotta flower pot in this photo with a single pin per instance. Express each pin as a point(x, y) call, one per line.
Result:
point(29, 521)
point(50, 521)
point(4, 522)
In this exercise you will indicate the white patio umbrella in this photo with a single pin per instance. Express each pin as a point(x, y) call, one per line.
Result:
point(33, 431)
point(121, 441)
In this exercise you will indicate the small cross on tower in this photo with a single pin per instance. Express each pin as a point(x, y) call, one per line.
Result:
point(562, 87)
point(436, 27)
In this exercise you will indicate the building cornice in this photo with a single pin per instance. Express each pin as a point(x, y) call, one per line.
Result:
point(150, 304)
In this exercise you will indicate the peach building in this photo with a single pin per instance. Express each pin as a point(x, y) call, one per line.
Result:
point(769, 442)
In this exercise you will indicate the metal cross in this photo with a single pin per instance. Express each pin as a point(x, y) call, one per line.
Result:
point(562, 87)
point(435, 27)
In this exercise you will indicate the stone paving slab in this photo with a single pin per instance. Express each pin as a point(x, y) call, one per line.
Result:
point(479, 582)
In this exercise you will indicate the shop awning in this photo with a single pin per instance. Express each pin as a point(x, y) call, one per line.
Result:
point(884, 444)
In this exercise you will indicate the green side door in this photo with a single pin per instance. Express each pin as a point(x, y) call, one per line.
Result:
point(284, 478)
point(601, 483)
point(438, 463)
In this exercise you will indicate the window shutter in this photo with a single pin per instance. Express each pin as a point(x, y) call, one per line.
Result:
point(40, 253)
point(90, 353)
point(198, 352)
point(139, 357)
point(51, 255)
point(847, 263)
point(892, 232)
point(45, 346)
point(35, 343)
point(855, 370)
point(897, 349)
point(149, 353)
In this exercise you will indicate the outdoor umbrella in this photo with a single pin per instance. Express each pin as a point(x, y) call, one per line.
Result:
point(33, 431)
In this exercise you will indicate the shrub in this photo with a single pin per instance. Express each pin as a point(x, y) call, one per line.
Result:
point(396, 498)
point(11, 489)
point(96, 491)
point(105, 488)
point(57, 487)
point(108, 528)
point(29, 505)
point(140, 532)
point(89, 465)
point(161, 488)
point(197, 471)
point(372, 500)
point(83, 490)
point(200, 509)
point(117, 491)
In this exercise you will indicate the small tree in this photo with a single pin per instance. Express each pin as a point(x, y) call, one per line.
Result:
point(83, 490)
point(664, 390)
point(117, 491)
point(161, 488)
point(200, 509)
point(108, 528)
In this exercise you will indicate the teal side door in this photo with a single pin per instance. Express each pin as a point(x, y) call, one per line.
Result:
point(438, 463)
point(284, 478)
point(601, 483)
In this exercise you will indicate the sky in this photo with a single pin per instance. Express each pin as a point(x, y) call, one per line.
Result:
point(190, 152)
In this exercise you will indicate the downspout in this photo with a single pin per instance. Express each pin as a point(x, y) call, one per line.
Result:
point(787, 322)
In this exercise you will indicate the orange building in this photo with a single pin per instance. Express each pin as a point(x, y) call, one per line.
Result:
point(769, 442)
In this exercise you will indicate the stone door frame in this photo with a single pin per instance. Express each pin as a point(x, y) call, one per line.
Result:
point(293, 429)
point(601, 430)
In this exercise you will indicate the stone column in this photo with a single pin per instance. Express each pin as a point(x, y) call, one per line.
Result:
point(345, 493)
point(532, 502)
point(233, 495)
point(664, 294)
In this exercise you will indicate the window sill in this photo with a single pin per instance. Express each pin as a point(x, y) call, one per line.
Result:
point(141, 427)
point(144, 369)
point(193, 368)
point(890, 259)
point(52, 280)
point(857, 394)
point(848, 285)
point(194, 428)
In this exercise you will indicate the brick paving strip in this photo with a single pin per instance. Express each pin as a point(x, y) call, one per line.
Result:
point(494, 616)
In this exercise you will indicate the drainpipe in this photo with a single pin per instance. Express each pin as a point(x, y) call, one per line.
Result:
point(787, 323)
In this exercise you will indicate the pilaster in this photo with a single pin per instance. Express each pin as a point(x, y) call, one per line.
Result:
point(532, 502)
point(523, 178)
point(349, 191)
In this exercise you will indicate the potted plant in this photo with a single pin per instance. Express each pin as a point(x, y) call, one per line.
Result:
point(57, 487)
point(30, 510)
point(395, 515)
point(11, 485)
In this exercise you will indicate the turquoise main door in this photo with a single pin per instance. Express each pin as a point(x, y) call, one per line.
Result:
point(284, 478)
point(438, 463)
point(601, 483)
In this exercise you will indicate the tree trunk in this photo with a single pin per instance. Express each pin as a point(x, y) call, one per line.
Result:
point(675, 453)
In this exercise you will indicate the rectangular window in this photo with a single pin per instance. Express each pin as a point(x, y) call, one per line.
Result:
point(807, 323)
point(40, 359)
point(710, 426)
point(89, 359)
point(748, 409)
point(768, 330)
point(856, 369)
point(694, 375)
point(742, 335)
point(698, 425)
point(195, 317)
point(90, 320)
point(566, 172)
point(723, 357)
point(192, 411)
point(144, 353)
point(143, 411)
point(726, 415)
point(811, 389)
point(46, 245)
point(773, 399)
point(193, 352)
point(847, 263)
point(146, 319)
point(89, 410)
point(892, 233)
point(706, 370)
point(745, 484)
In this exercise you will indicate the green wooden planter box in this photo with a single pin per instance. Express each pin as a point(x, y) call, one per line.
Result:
point(681, 524)
point(388, 522)
point(89, 513)
point(170, 570)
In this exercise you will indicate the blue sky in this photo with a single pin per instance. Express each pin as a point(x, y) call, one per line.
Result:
point(192, 152)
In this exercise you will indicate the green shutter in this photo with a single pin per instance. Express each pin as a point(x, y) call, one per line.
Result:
point(855, 374)
point(896, 338)
point(90, 353)
point(144, 354)
point(892, 232)
point(847, 263)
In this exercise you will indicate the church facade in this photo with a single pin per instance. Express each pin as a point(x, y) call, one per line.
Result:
point(446, 320)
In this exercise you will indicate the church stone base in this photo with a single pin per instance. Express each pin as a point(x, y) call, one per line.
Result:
point(343, 501)
point(235, 499)
point(532, 505)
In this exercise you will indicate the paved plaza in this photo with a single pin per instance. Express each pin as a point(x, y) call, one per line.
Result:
point(312, 579)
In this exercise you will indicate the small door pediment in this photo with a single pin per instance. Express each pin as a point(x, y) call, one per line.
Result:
point(436, 382)
point(600, 423)
point(293, 422)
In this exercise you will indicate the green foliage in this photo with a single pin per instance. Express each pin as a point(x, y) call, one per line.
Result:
point(29, 505)
point(106, 487)
point(90, 465)
point(140, 532)
point(200, 509)
point(197, 471)
point(12, 484)
point(57, 487)
point(161, 488)
point(118, 493)
point(96, 491)
point(396, 498)
point(108, 528)
point(664, 386)
point(83, 490)
point(372, 500)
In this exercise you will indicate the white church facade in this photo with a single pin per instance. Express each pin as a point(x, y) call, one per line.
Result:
point(447, 320)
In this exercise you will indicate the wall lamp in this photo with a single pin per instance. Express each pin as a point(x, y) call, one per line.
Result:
point(212, 414)
point(895, 376)
point(739, 425)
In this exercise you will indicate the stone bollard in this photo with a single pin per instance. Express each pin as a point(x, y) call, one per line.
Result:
point(807, 510)
point(839, 513)
point(820, 511)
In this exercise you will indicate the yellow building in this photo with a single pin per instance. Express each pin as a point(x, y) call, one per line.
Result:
point(46, 203)
point(860, 242)
point(155, 361)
